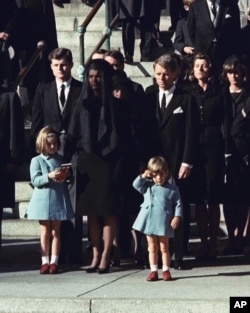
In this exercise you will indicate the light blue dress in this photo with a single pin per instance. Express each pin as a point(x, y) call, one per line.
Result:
point(50, 200)
point(160, 205)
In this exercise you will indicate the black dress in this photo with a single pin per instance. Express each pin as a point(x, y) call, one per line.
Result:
point(237, 147)
point(11, 143)
point(103, 138)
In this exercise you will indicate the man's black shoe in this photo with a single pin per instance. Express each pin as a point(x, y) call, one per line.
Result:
point(179, 265)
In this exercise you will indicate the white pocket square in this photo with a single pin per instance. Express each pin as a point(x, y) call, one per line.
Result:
point(178, 110)
point(228, 16)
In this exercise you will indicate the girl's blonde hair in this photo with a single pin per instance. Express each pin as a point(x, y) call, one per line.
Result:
point(158, 164)
point(41, 140)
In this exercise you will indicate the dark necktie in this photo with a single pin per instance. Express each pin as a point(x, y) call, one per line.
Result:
point(213, 8)
point(163, 104)
point(62, 95)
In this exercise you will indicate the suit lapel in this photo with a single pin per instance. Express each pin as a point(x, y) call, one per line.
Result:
point(53, 97)
point(221, 14)
point(158, 113)
point(173, 104)
point(207, 14)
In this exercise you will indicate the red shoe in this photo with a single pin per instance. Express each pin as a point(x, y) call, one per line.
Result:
point(44, 269)
point(153, 276)
point(53, 268)
point(166, 275)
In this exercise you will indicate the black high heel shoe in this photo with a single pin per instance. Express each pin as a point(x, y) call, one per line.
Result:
point(103, 270)
point(92, 269)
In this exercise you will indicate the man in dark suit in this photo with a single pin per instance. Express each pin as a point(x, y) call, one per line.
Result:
point(176, 13)
point(182, 42)
point(172, 121)
point(214, 27)
point(53, 104)
point(12, 142)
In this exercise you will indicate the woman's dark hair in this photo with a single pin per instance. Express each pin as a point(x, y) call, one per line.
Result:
point(233, 64)
point(105, 71)
point(200, 56)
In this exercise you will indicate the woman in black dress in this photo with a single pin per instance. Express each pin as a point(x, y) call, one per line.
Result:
point(236, 200)
point(12, 142)
point(209, 167)
point(99, 131)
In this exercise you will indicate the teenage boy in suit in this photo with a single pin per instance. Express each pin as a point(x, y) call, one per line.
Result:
point(53, 105)
point(172, 125)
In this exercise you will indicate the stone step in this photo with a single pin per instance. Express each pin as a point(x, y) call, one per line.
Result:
point(14, 227)
point(73, 14)
point(20, 228)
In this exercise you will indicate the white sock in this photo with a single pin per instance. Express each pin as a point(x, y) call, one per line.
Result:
point(54, 259)
point(165, 268)
point(45, 260)
point(154, 268)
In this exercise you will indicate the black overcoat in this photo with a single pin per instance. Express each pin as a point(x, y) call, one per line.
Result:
point(11, 144)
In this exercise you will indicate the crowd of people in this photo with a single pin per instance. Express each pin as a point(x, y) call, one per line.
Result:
point(138, 158)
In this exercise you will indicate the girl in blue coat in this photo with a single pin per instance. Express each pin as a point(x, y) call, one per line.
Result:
point(160, 213)
point(50, 201)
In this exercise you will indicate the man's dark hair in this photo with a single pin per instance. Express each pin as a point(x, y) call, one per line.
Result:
point(116, 54)
point(61, 53)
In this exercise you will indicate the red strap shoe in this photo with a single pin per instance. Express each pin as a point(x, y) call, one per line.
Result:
point(153, 276)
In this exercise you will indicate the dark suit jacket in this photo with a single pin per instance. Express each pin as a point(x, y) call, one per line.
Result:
point(46, 111)
point(175, 133)
point(226, 31)
point(11, 144)
point(182, 38)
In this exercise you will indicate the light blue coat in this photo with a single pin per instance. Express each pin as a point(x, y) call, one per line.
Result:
point(50, 200)
point(160, 205)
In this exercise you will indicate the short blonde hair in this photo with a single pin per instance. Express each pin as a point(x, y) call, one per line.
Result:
point(41, 140)
point(158, 164)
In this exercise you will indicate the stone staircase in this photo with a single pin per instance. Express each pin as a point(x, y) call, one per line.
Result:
point(73, 14)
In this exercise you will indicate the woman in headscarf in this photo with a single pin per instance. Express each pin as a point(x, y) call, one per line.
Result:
point(99, 131)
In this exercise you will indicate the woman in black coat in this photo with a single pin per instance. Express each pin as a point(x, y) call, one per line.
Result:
point(209, 166)
point(11, 144)
point(236, 199)
point(99, 132)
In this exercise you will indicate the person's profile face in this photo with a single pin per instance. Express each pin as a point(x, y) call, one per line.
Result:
point(114, 62)
point(94, 79)
point(61, 69)
point(165, 77)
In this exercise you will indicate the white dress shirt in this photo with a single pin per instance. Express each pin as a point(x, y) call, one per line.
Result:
point(168, 93)
point(66, 91)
